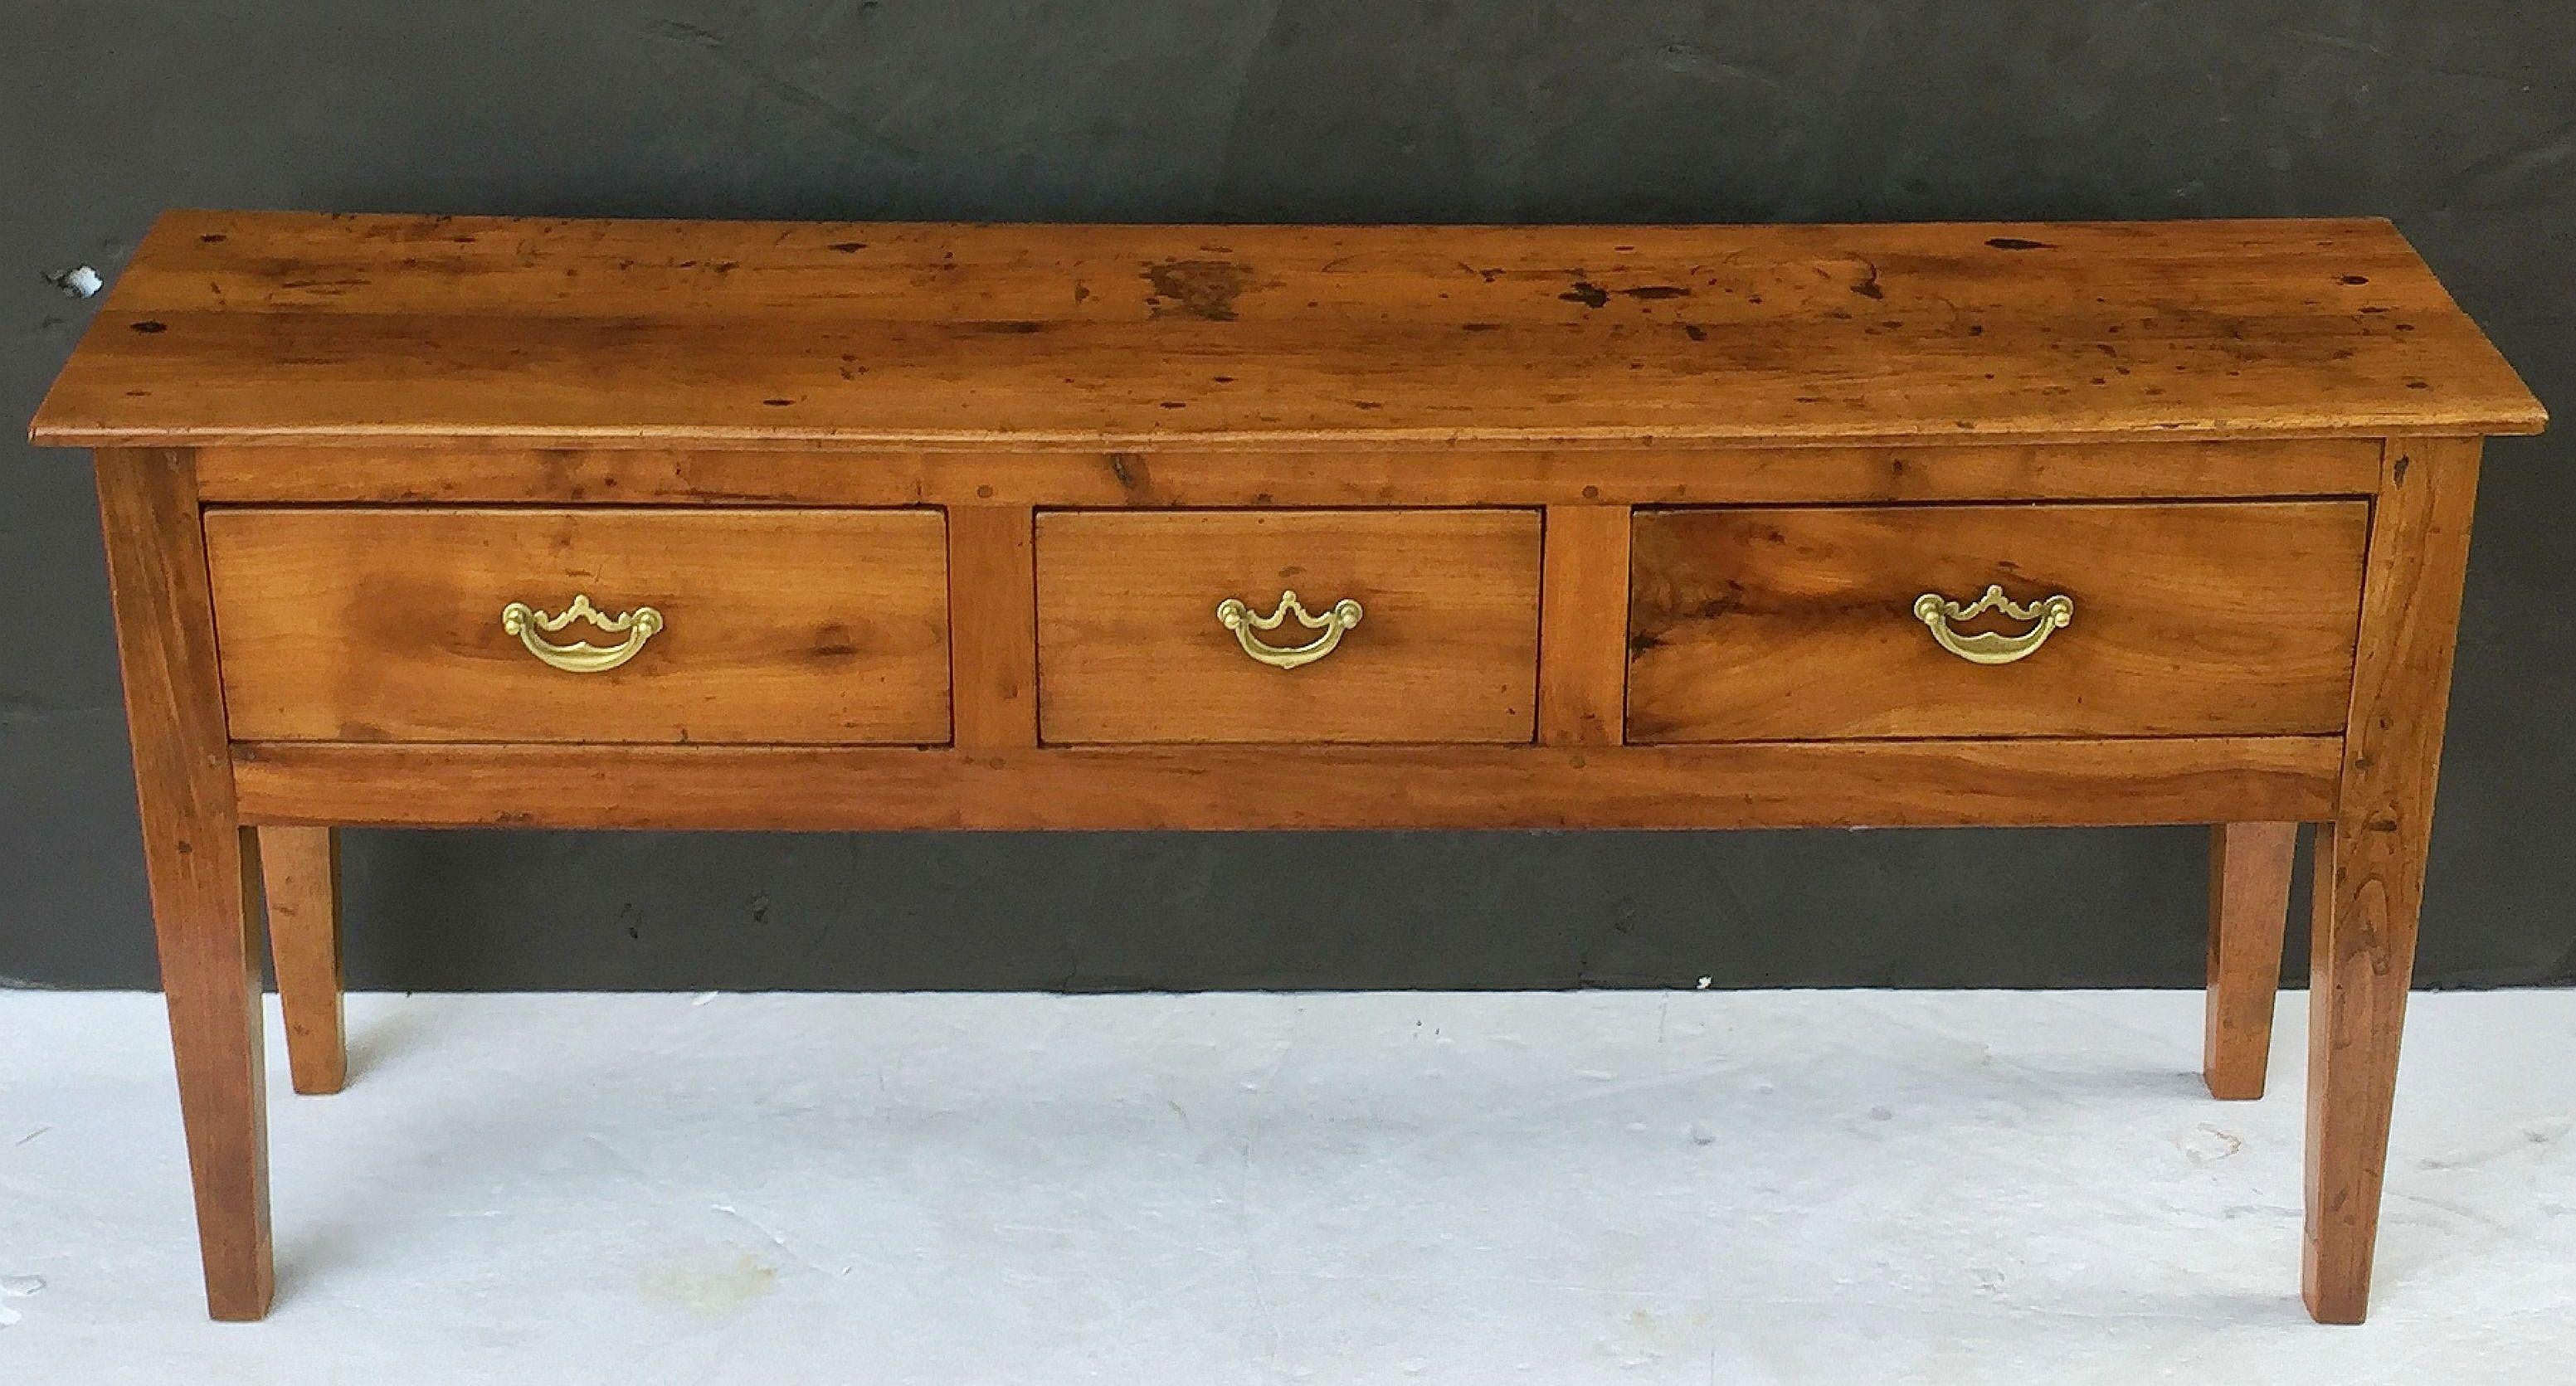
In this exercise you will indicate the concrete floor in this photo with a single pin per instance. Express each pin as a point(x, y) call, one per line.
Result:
point(1621, 1187)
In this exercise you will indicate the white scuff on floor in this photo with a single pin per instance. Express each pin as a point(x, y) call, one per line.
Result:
point(1699, 1186)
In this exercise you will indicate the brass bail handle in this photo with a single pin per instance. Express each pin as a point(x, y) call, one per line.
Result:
point(1336, 620)
point(1993, 647)
point(581, 657)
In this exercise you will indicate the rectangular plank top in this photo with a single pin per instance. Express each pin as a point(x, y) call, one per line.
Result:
point(253, 327)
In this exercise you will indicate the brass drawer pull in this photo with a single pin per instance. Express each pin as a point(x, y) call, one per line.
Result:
point(581, 657)
point(1992, 647)
point(1236, 617)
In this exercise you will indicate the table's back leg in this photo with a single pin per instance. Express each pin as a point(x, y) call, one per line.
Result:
point(2249, 909)
point(2370, 862)
point(300, 875)
point(198, 859)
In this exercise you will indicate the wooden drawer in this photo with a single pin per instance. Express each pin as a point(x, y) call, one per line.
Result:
point(811, 626)
point(2187, 619)
point(1130, 648)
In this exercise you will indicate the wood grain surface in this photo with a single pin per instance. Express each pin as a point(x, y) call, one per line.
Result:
point(2369, 883)
point(201, 864)
point(2204, 620)
point(992, 622)
point(284, 327)
point(300, 883)
point(1343, 477)
point(794, 626)
point(2065, 782)
point(1583, 627)
point(2249, 913)
point(1129, 648)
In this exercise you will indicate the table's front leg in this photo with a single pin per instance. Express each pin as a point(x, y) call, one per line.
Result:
point(2370, 860)
point(200, 862)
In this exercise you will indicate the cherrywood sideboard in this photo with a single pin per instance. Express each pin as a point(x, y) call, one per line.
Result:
point(597, 524)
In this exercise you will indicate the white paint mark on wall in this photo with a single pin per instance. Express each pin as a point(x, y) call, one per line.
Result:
point(79, 281)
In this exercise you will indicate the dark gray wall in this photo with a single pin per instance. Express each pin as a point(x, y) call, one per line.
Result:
point(2458, 119)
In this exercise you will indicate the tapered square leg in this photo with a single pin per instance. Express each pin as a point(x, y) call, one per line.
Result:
point(2361, 963)
point(2369, 882)
point(300, 873)
point(210, 978)
point(2249, 907)
point(197, 858)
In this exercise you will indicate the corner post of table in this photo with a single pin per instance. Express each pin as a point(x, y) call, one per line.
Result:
point(2249, 912)
point(2369, 879)
point(200, 862)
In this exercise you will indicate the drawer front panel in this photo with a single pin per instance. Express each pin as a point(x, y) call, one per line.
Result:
point(812, 627)
point(1130, 647)
point(2183, 619)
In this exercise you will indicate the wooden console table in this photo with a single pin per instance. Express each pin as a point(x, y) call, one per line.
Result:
point(447, 521)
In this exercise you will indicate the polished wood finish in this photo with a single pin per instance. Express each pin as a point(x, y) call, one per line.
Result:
point(300, 881)
point(2249, 907)
point(940, 516)
point(2369, 880)
point(1583, 650)
point(2056, 782)
point(385, 624)
point(1630, 475)
point(2190, 620)
point(1129, 648)
point(277, 327)
point(198, 859)
point(993, 633)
